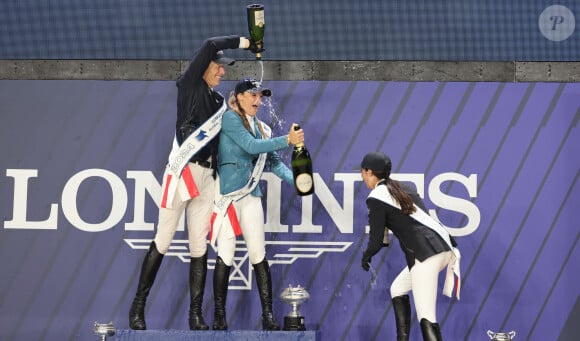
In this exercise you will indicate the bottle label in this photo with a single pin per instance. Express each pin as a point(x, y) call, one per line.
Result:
point(259, 18)
point(304, 182)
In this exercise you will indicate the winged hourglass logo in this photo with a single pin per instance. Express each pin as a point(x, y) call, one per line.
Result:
point(287, 252)
point(501, 336)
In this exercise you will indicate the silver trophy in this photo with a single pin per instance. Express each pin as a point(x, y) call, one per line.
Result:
point(294, 296)
point(501, 336)
point(103, 330)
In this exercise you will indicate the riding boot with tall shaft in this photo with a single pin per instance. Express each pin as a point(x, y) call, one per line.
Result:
point(149, 269)
point(430, 331)
point(221, 278)
point(264, 281)
point(402, 308)
point(197, 275)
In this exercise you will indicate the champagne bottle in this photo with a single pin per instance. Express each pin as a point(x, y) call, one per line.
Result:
point(255, 17)
point(302, 169)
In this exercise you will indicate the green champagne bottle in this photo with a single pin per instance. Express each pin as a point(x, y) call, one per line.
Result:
point(256, 26)
point(302, 169)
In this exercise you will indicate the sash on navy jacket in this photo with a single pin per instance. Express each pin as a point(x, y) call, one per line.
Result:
point(177, 176)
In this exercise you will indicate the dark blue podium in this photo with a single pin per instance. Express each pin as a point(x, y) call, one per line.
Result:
point(228, 335)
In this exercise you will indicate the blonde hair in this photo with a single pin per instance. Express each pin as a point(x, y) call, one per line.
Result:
point(235, 106)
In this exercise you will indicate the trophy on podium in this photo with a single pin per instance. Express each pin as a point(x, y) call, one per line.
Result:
point(103, 330)
point(501, 336)
point(294, 296)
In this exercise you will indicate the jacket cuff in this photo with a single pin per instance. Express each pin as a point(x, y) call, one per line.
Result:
point(244, 43)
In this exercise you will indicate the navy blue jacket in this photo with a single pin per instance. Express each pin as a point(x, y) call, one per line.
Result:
point(196, 101)
point(417, 241)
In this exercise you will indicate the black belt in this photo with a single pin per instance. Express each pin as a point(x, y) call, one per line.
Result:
point(203, 163)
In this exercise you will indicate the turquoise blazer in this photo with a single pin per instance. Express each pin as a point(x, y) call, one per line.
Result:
point(238, 148)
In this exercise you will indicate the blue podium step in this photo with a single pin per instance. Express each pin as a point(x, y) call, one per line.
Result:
point(237, 335)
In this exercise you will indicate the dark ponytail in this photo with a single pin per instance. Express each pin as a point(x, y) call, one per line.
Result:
point(402, 197)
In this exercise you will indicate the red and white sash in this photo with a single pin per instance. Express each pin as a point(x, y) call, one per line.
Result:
point(453, 275)
point(177, 176)
point(223, 203)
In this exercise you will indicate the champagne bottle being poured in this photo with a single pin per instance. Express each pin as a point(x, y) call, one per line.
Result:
point(256, 26)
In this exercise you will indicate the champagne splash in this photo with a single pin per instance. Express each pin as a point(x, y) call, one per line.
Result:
point(274, 119)
point(373, 277)
point(278, 125)
point(275, 122)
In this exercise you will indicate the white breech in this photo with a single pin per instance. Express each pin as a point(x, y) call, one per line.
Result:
point(197, 214)
point(251, 218)
point(422, 280)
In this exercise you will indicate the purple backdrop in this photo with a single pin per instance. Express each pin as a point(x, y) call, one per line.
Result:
point(497, 163)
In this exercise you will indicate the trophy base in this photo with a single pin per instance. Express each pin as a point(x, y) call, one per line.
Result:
point(294, 323)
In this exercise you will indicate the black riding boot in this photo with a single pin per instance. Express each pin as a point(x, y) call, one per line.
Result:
point(197, 274)
point(264, 281)
point(221, 278)
point(430, 331)
point(149, 269)
point(402, 308)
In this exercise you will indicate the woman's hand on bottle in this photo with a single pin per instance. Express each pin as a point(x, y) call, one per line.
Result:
point(295, 136)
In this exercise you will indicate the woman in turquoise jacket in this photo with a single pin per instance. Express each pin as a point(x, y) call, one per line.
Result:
point(246, 146)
